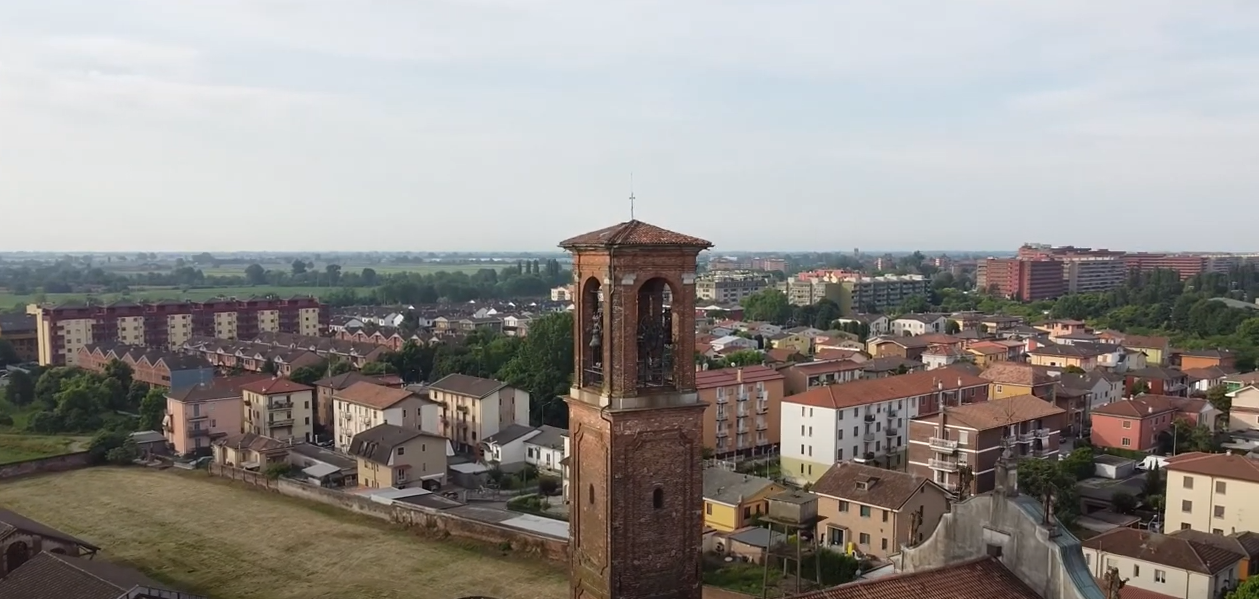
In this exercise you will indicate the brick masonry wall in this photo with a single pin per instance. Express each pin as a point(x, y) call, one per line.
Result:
point(434, 521)
point(59, 463)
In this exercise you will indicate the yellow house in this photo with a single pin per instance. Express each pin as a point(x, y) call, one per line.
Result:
point(1011, 379)
point(249, 451)
point(392, 456)
point(732, 500)
point(797, 341)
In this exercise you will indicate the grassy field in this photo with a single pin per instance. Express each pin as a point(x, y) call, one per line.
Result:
point(15, 447)
point(9, 299)
point(210, 537)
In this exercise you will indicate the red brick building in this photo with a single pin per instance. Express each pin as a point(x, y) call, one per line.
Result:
point(637, 424)
point(1026, 279)
point(1187, 265)
point(154, 367)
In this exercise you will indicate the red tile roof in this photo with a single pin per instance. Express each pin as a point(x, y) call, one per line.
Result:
point(983, 578)
point(634, 233)
point(371, 395)
point(997, 413)
point(828, 366)
point(275, 386)
point(1221, 465)
point(868, 391)
point(711, 379)
point(1143, 406)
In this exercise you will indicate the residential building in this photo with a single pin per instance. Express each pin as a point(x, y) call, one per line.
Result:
point(1234, 382)
point(1085, 357)
point(744, 409)
point(1223, 359)
point(55, 575)
point(250, 451)
point(732, 499)
point(62, 330)
point(1186, 265)
point(730, 286)
point(1024, 279)
point(908, 348)
point(21, 539)
point(883, 367)
point(1211, 492)
point(1243, 543)
point(975, 435)
point(196, 416)
point(547, 450)
point(365, 405)
point(474, 408)
point(859, 293)
point(1084, 270)
point(987, 353)
point(939, 356)
point(1135, 424)
point(1243, 415)
point(156, 368)
point(1010, 379)
point(563, 293)
point(1202, 380)
point(1157, 350)
point(20, 331)
point(278, 408)
point(393, 456)
point(323, 466)
point(874, 508)
point(327, 387)
point(732, 343)
point(507, 447)
point(1170, 565)
point(1158, 381)
point(799, 378)
point(919, 324)
point(864, 420)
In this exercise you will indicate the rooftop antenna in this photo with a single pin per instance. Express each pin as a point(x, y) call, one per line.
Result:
point(631, 195)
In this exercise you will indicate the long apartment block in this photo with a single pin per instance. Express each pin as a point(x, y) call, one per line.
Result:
point(62, 330)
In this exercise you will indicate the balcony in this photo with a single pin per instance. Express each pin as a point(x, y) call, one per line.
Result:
point(762, 426)
point(1041, 433)
point(1025, 437)
point(743, 413)
point(722, 433)
point(762, 408)
point(942, 465)
point(280, 422)
point(722, 399)
point(280, 405)
point(198, 418)
point(892, 413)
point(891, 432)
point(199, 432)
point(870, 417)
point(868, 437)
point(939, 444)
point(722, 416)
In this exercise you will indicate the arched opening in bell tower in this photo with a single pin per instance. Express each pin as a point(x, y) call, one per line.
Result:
point(592, 333)
point(657, 339)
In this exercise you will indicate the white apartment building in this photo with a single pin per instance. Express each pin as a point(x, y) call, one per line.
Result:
point(1184, 564)
point(918, 324)
point(729, 286)
point(278, 408)
point(1211, 492)
point(865, 421)
point(364, 405)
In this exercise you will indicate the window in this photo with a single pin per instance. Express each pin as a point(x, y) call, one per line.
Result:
point(708, 509)
point(1188, 482)
point(1127, 442)
point(402, 450)
point(1160, 576)
point(657, 498)
point(1186, 506)
point(863, 539)
point(885, 512)
point(1136, 571)
point(1127, 424)
point(885, 544)
point(747, 513)
point(1185, 526)
point(865, 511)
point(994, 550)
point(1219, 487)
point(1219, 511)
point(999, 388)
point(1217, 531)
point(590, 495)
point(843, 506)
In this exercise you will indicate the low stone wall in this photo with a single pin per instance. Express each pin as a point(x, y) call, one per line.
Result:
point(57, 463)
point(416, 517)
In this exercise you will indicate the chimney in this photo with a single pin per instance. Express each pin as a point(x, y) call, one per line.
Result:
point(738, 375)
point(1149, 409)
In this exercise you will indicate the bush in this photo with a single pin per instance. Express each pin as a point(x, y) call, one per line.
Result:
point(549, 485)
point(104, 443)
point(1123, 503)
point(277, 469)
point(6, 420)
point(124, 454)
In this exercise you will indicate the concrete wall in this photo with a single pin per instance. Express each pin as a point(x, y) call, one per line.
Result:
point(58, 463)
point(411, 517)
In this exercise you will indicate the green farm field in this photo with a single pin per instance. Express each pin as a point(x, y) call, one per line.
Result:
point(228, 541)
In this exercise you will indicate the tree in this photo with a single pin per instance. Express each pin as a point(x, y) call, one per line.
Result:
point(769, 305)
point(119, 371)
point(299, 267)
point(1079, 463)
point(334, 273)
point(543, 366)
point(913, 305)
point(1246, 590)
point(152, 409)
point(965, 477)
point(745, 357)
point(375, 368)
point(1124, 503)
point(307, 375)
point(8, 355)
point(255, 274)
point(1218, 396)
point(368, 277)
point(124, 454)
point(952, 328)
point(1155, 484)
point(1039, 477)
point(270, 367)
point(104, 442)
point(21, 389)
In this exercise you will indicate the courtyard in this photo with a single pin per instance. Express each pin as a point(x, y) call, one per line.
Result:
point(209, 536)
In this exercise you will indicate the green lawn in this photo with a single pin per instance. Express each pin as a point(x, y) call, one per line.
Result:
point(15, 447)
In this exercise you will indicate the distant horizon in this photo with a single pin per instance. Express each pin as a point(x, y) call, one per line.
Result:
point(518, 252)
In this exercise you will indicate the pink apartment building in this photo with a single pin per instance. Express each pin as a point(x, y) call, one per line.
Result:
point(197, 415)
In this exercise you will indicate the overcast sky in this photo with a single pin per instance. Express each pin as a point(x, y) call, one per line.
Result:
point(511, 124)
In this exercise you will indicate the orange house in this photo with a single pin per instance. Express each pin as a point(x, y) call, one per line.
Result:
point(744, 407)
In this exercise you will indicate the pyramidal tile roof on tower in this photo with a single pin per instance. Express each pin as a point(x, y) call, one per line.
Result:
point(634, 233)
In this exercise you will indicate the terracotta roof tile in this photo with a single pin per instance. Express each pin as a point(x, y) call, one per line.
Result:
point(984, 578)
point(1138, 407)
point(710, 379)
point(996, 413)
point(372, 395)
point(1221, 465)
point(1010, 373)
point(1172, 551)
point(868, 391)
point(275, 386)
point(53, 576)
point(634, 233)
point(827, 366)
point(887, 489)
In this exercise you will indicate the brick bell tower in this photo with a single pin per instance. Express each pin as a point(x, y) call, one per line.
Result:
point(636, 480)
